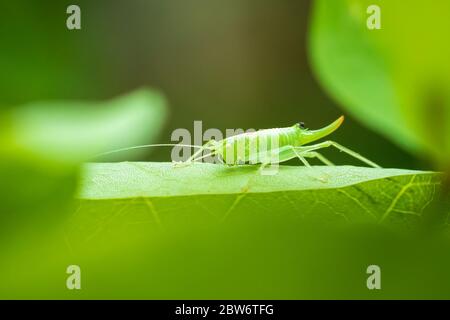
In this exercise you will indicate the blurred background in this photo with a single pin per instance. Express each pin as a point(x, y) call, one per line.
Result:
point(232, 64)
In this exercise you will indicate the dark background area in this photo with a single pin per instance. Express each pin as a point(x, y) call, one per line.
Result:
point(231, 64)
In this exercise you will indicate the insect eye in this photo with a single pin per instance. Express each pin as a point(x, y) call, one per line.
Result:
point(301, 125)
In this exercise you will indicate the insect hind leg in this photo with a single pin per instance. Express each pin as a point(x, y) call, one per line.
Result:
point(330, 143)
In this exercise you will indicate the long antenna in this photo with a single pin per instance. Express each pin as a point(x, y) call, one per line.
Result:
point(146, 146)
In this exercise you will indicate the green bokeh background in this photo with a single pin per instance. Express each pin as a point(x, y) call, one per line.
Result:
point(234, 64)
point(231, 64)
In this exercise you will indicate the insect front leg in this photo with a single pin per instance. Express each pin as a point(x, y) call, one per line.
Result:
point(196, 156)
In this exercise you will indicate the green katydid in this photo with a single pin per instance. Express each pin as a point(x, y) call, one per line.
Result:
point(269, 146)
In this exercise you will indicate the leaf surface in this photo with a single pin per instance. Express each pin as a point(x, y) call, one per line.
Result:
point(215, 193)
point(152, 231)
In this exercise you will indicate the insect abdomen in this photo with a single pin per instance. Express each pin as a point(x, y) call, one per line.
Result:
point(243, 147)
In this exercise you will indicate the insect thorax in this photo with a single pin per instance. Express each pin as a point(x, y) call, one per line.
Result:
point(252, 146)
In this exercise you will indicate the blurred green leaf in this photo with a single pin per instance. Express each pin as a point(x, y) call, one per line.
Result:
point(395, 80)
point(68, 131)
point(156, 192)
point(149, 230)
point(43, 144)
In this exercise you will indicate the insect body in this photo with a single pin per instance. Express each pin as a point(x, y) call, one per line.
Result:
point(268, 146)
point(276, 145)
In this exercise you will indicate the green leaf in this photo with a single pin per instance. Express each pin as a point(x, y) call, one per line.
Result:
point(152, 231)
point(395, 80)
point(44, 143)
point(75, 131)
point(213, 193)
